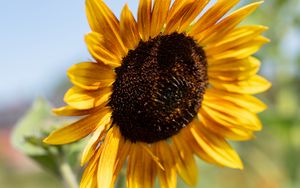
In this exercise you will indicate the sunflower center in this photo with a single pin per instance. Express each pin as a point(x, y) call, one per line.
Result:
point(159, 88)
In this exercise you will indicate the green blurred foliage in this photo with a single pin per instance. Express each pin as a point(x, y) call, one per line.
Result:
point(28, 134)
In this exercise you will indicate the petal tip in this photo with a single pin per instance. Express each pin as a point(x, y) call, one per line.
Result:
point(48, 140)
point(45, 140)
point(83, 161)
point(259, 2)
point(241, 167)
point(266, 40)
point(238, 164)
point(268, 84)
point(264, 27)
point(56, 111)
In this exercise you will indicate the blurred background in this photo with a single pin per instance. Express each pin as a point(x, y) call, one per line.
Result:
point(39, 40)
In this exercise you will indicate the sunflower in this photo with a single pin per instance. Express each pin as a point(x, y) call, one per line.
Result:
point(163, 89)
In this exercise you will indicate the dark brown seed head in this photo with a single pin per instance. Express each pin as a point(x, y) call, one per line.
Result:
point(159, 88)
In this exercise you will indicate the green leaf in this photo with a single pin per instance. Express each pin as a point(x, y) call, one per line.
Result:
point(48, 162)
point(36, 121)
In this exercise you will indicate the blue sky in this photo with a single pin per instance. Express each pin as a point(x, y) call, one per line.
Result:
point(39, 40)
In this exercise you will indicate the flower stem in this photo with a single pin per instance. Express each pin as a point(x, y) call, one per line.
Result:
point(68, 175)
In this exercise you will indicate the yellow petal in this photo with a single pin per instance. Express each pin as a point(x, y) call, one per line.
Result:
point(79, 129)
point(234, 70)
point(217, 32)
point(125, 147)
point(231, 133)
point(131, 166)
point(94, 141)
point(225, 65)
point(71, 111)
point(189, 138)
point(140, 170)
point(212, 16)
point(235, 38)
point(89, 177)
point(144, 19)
point(83, 99)
point(149, 173)
point(103, 50)
point(216, 127)
point(129, 30)
point(149, 151)
point(159, 16)
point(103, 21)
point(248, 102)
point(108, 158)
point(253, 85)
point(91, 76)
point(185, 162)
point(167, 177)
point(240, 51)
point(176, 7)
point(216, 147)
point(230, 115)
point(178, 10)
point(233, 75)
point(195, 9)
